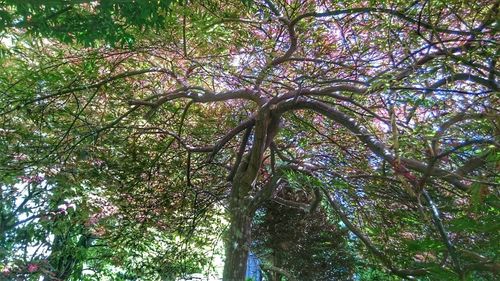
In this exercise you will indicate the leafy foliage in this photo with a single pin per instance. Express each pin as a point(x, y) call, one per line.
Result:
point(309, 246)
point(72, 21)
point(133, 134)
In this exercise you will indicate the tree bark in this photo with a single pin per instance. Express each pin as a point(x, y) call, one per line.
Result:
point(241, 205)
point(237, 241)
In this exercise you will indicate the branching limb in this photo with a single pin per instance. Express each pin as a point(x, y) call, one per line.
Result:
point(482, 263)
point(400, 15)
point(292, 204)
point(199, 95)
point(454, 120)
point(318, 196)
point(406, 273)
point(255, 156)
point(266, 192)
point(288, 275)
point(214, 149)
point(100, 83)
point(465, 77)
point(465, 144)
point(241, 151)
point(279, 60)
point(442, 232)
point(377, 147)
point(247, 124)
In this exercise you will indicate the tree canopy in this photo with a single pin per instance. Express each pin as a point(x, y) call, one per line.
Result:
point(334, 139)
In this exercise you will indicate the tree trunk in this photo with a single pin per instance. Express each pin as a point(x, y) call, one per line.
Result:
point(241, 205)
point(237, 244)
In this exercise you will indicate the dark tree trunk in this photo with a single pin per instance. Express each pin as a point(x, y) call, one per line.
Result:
point(242, 206)
point(238, 242)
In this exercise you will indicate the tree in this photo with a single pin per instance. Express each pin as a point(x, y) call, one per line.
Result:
point(387, 108)
point(300, 244)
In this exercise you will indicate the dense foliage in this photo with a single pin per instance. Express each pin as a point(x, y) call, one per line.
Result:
point(354, 139)
point(300, 245)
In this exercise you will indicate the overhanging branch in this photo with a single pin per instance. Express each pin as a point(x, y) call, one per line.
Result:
point(406, 273)
point(377, 147)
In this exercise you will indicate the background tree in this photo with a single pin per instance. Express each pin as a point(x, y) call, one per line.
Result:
point(300, 244)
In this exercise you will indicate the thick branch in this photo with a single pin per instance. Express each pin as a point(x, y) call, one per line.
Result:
point(369, 140)
point(200, 95)
point(368, 243)
point(247, 124)
point(279, 270)
point(258, 147)
point(241, 151)
point(292, 204)
point(465, 77)
point(330, 92)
